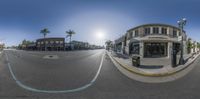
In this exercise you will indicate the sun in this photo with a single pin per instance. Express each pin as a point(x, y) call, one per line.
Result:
point(100, 34)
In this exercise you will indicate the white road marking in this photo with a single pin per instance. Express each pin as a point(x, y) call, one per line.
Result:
point(19, 83)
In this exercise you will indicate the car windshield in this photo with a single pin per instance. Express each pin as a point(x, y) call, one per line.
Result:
point(99, 49)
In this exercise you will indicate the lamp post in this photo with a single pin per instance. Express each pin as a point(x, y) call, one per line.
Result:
point(181, 24)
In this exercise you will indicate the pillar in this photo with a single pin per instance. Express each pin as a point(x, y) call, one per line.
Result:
point(151, 30)
point(159, 30)
point(169, 49)
point(141, 49)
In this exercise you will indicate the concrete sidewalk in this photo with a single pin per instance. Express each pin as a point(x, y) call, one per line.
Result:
point(164, 70)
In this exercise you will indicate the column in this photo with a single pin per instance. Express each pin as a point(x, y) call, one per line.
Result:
point(127, 47)
point(141, 49)
point(159, 30)
point(151, 30)
point(184, 47)
point(169, 49)
point(167, 30)
point(122, 47)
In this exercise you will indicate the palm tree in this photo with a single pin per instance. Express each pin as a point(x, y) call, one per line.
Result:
point(44, 31)
point(69, 34)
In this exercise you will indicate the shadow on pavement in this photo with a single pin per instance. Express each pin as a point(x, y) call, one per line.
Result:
point(119, 55)
point(151, 66)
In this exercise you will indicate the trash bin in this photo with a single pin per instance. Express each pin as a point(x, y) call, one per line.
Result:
point(136, 61)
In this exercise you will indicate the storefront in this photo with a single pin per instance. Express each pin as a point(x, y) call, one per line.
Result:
point(155, 49)
point(119, 45)
point(152, 40)
point(134, 48)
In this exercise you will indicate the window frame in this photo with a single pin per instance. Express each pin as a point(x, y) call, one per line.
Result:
point(155, 30)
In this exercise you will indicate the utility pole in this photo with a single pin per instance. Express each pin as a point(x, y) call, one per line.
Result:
point(181, 24)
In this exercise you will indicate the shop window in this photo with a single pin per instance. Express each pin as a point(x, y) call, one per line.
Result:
point(134, 48)
point(155, 49)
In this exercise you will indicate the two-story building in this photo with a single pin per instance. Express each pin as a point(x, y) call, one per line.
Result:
point(2, 46)
point(51, 44)
point(152, 41)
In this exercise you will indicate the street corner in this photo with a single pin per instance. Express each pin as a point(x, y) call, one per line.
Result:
point(152, 75)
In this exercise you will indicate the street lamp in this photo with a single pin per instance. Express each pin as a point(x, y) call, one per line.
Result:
point(181, 23)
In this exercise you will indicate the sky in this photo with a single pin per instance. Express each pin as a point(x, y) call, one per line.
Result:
point(23, 19)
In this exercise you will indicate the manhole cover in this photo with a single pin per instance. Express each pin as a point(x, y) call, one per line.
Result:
point(51, 57)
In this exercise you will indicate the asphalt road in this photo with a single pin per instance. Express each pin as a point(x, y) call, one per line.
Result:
point(78, 68)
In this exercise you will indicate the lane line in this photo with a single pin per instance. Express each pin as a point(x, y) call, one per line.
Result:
point(19, 83)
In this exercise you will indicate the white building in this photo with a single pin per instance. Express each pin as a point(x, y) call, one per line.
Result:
point(2, 46)
point(152, 41)
point(119, 45)
point(195, 49)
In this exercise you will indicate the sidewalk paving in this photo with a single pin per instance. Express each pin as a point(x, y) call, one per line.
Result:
point(151, 69)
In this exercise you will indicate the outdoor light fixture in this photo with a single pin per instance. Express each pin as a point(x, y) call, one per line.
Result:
point(181, 24)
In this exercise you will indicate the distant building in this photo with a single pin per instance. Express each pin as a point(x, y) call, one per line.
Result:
point(119, 45)
point(194, 48)
point(51, 44)
point(31, 46)
point(67, 46)
point(57, 44)
point(110, 45)
point(2, 46)
point(79, 45)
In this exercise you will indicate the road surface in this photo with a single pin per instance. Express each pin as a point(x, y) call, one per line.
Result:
point(75, 69)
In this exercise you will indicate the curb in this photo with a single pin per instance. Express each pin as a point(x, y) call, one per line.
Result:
point(151, 74)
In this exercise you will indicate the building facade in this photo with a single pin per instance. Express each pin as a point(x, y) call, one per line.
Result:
point(31, 46)
point(51, 44)
point(119, 45)
point(2, 46)
point(152, 41)
point(79, 45)
point(194, 47)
